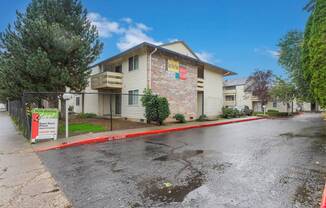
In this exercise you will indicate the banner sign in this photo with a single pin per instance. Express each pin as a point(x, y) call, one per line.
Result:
point(44, 124)
point(180, 71)
point(173, 66)
point(183, 72)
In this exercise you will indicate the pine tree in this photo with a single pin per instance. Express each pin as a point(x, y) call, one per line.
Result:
point(48, 48)
point(314, 52)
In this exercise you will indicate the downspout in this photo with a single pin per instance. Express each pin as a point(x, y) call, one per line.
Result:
point(149, 76)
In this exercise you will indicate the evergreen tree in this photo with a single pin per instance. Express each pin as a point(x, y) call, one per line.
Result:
point(48, 48)
point(314, 52)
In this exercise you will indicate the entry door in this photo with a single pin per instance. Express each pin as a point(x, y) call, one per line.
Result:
point(118, 104)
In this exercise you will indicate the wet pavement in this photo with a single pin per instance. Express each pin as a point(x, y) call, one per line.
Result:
point(265, 163)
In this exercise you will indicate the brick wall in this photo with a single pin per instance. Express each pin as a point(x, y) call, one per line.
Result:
point(181, 94)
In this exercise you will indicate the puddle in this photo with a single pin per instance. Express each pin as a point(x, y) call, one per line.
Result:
point(220, 167)
point(157, 192)
point(312, 132)
point(183, 155)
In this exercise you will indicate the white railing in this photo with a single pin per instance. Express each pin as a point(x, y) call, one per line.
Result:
point(106, 80)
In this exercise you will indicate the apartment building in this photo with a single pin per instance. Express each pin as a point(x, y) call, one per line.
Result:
point(192, 86)
point(237, 94)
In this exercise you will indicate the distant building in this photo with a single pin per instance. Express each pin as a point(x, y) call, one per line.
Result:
point(237, 95)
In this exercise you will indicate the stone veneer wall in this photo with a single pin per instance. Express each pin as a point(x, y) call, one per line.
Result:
point(181, 94)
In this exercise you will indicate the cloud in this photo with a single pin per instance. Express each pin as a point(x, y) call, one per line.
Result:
point(207, 57)
point(273, 53)
point(267, 52)
point(134, 35)
point(105, 27)
point(127, 20)
point(130, 33)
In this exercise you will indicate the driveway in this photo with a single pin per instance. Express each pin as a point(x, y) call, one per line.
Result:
point(265, 163)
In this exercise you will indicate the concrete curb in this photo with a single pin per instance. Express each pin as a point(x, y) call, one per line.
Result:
point(138, 134)
point(323, 200)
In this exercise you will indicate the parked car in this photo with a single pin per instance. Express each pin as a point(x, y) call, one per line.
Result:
point(2, 107)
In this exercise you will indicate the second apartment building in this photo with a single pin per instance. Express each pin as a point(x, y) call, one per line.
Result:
point(193, 87)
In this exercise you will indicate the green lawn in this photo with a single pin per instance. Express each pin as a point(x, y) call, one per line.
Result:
point(82, 128)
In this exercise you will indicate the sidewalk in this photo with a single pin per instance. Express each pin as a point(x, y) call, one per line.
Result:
point(129, 133)
point(24, 181)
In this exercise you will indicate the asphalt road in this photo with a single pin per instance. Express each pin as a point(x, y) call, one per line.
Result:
point(265, 163)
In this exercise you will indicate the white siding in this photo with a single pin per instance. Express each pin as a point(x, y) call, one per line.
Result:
point(91, 100)
point(179, 48)
point(213, 93)
point(134, 80)
point(243, 98)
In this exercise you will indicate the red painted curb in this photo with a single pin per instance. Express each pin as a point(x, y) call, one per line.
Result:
point(138, 134)
point(323, 200)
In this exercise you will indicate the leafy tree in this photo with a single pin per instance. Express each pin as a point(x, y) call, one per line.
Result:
point(284, 91)
point(156, 107)
point(259, 84)
point(48, 48)
point(314, 52)
point(290, 58)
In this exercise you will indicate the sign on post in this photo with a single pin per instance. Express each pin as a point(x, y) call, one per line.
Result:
point(44, 124)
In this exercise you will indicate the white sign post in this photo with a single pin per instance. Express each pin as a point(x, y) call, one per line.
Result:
point(67, 97)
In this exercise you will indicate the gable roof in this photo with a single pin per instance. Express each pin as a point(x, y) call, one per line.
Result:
point(152, 46)
point(166, 45)
point(236, 82)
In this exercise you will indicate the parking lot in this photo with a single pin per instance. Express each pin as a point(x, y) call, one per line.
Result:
point(264, 163)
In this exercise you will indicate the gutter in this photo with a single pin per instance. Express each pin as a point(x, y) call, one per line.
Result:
point(149, 76)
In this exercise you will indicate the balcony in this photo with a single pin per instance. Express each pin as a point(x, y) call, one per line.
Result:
point(229, 91)
point(229, 103)
point(106, 80)
point(200, 84)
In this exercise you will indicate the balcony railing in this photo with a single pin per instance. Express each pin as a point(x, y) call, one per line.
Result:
point(229, 103)
point(232, 91)
point(200, 84)
point(106, 80)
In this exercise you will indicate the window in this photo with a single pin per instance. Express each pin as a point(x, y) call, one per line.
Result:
point(133, 63)
point(118, 68)
point(274, 104)
point(200, 72)
point(229, 98)
point(77, 101)
point(133, 97)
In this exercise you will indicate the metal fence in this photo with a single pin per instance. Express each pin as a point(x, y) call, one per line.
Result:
point(87, 112)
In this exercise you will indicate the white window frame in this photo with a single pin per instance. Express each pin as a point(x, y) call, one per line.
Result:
point(135, 63)
point(133, 97)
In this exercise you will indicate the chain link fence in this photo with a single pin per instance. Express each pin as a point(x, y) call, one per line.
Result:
point(87, 112)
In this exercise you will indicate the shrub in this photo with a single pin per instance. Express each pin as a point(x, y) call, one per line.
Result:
point(180, 118)
point(202, 117)
point(246, 111)
point(272, 111)
point(277, 114)
point(156, 107)
point(257, 113)
point(71, 108)
point(230, 112)
point(87, 115)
